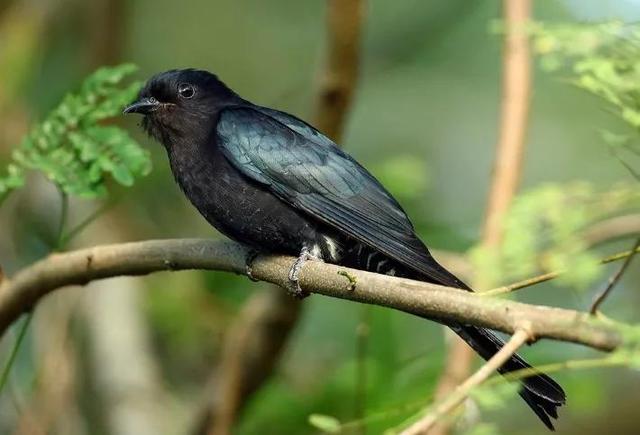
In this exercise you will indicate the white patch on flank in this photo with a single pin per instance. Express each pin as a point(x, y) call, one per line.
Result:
point(392, 272)
point(333, 248)
point(316, 252)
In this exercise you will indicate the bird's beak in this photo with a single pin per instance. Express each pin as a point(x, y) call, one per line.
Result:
point(143, 106)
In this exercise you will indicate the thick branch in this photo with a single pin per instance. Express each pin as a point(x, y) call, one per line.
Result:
point(21, 293)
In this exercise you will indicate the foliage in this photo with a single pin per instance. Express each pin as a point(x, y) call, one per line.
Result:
point(494, 397)
point(604, 60)
point(325, 423)
point(545, 228)
point(74, 149)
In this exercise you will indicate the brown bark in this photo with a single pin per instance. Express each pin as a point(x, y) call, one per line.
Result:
point(20, 293)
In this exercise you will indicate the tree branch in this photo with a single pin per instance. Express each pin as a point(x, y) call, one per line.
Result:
point(453, 400)
point(613, 280)
point(551, 275)
point(28, 286)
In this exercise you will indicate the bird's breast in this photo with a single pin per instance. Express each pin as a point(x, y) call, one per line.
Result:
point(238, 207)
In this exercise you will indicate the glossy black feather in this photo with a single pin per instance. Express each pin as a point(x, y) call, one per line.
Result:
point(311, 173)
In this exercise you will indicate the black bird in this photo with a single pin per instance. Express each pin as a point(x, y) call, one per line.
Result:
point(271, 181)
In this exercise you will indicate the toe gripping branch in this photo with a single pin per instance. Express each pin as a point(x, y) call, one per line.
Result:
point(294, 273)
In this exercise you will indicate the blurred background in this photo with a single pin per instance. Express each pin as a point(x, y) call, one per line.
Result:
point(147, 355)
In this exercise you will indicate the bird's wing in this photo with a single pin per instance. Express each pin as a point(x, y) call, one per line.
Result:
point(308, 171)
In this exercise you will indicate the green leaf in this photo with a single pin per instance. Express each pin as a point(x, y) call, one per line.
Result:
point(602, 59)
point(544, 231)
point(72, 148)
point(325, 423)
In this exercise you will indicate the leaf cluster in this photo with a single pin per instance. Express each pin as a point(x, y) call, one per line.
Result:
point(545, 231)
point(75, 148)
point(604, 60)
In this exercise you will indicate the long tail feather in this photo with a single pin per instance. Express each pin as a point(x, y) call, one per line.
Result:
point(539, 391)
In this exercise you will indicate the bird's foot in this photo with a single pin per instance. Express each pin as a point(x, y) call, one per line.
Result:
point(248, 265)
point(294, 274)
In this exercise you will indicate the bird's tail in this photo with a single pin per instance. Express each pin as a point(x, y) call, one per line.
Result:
point(539, 391)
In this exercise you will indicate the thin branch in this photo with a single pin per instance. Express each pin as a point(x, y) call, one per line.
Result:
point(4, 377)
point(550, 275)
point(62, 222)
point(614, 279)
point(516, 89)
point(452, 401)
point(75, 231)
point(28, 286)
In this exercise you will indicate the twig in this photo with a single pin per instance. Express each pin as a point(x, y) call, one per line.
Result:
point(4, 377)
point(550, 275)
point(516, 88)
point(452, 401)
point(29, 285)
point(62, 222)
point(73, 232)
point(613, 280)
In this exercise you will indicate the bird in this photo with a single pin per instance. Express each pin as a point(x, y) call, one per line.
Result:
point(273, 182)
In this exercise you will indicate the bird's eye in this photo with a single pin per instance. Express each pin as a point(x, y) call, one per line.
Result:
point(153, 100)
point(185, 90)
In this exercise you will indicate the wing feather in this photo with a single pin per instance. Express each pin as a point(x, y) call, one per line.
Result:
point(308, 171)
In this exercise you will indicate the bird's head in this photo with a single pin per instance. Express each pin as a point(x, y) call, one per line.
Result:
point(178, 103)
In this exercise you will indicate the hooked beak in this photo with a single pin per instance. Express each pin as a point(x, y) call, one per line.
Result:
point(143, 106)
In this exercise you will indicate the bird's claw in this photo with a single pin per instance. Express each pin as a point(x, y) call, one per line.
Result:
point(294, 274)
point(248, 265)
point(296, 291)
